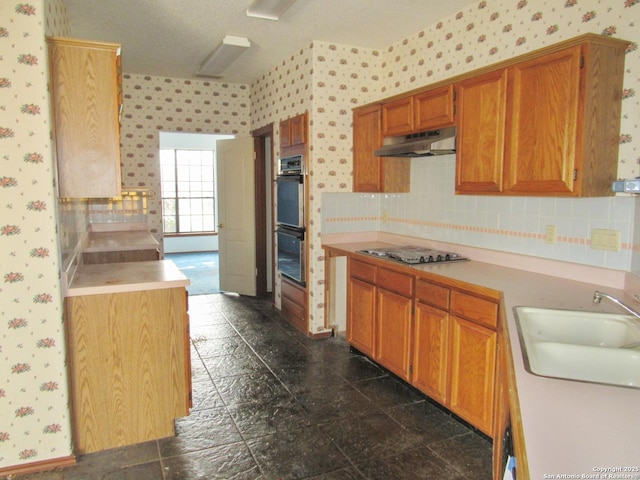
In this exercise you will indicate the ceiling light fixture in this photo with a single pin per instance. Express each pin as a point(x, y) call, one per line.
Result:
point(269, 9)
point(224, 55)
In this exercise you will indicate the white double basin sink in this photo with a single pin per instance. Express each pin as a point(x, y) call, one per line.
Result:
point(583, 346)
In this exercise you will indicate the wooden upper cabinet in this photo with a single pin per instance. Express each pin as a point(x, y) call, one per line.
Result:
point(542, 129)
point(298, 129)
point(293, 131)
point(397, 117)
point(86, 96)
point(434, 109)
point(367, 174)
point(481, 104)
point(285, 135)
point(561, 125)
point(428, 110)
point(370, 172)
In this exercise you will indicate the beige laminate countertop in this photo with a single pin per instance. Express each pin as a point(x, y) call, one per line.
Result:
point(120, 241)
point(108, 278)
point(570, 428)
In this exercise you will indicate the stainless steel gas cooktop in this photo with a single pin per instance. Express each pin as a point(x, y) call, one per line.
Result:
point(414, 255)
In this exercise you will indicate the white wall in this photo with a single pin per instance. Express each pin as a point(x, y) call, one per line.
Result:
point(191, 243)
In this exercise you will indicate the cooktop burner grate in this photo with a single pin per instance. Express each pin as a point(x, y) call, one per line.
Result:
point(415, 255)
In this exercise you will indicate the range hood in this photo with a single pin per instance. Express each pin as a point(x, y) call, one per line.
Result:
point(423, 144)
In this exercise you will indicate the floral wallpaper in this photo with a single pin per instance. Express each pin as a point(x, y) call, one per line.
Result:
point(153, 104)
point(35, 422)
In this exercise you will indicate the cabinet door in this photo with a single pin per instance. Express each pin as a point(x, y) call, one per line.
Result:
point(502, 415)
point(397, 117)
point(366, 139)
point(361, 314)
point(187, 352)
point(393, 332)
point(481, 109)
point(473, 364)
point(543, 124)
point(294, 304)
point(84, 86)
point(298, 130)
point(433, 109)
point(430, 351)
point(285, 133)
point(129, 360)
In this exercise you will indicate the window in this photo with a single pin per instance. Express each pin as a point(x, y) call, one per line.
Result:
point(188, 191)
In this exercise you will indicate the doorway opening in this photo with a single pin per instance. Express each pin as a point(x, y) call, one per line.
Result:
point(189, 206)
point(193, 243)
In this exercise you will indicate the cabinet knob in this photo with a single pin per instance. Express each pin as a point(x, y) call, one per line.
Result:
point(220, 225)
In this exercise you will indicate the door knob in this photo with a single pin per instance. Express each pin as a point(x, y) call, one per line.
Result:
point(220, 225)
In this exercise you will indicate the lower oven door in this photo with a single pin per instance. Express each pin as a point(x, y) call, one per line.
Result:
point(291, 254)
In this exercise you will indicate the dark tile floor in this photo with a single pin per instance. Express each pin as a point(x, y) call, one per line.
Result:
point(271, 404)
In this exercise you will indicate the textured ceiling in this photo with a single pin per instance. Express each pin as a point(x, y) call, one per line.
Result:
point(172, 37)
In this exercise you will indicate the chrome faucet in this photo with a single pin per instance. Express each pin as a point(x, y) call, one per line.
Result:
point(597, 296)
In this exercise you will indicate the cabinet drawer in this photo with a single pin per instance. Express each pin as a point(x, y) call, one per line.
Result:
point(395, 282)
point(432, 294)
point(294, 293)
point(478, 310)
point(363, 271)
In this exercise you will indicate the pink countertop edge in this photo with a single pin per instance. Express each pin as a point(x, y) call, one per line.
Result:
point(109, 278)
point(569, 427)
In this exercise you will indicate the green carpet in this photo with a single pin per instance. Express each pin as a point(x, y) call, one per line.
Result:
point(202, 269)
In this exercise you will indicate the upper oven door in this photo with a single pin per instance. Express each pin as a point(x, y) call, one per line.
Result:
point(290, 201)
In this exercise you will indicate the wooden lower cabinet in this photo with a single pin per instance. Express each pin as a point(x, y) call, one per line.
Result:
point(294, 304)
point(454, 359)
point(441, 340)
point(394, 317)
point(472, 374)
point(129, 366)
point(502, 413)
point(431, 351)
point(362, 314)
point(379, 308)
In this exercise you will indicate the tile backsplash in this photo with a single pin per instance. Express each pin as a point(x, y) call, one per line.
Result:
point(130, 207)
point(512, 224)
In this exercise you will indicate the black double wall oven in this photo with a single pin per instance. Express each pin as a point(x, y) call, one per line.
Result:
point(290, 218)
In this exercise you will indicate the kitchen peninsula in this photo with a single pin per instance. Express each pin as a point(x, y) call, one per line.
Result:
point(128, 352)
point(559, 426)
point(120, 246)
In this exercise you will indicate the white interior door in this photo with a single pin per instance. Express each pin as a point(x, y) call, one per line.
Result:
point(236, 215)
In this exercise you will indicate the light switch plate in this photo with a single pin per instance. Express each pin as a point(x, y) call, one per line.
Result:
point(602, 239)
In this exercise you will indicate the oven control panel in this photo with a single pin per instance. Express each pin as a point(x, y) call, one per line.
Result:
point(291, 165)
